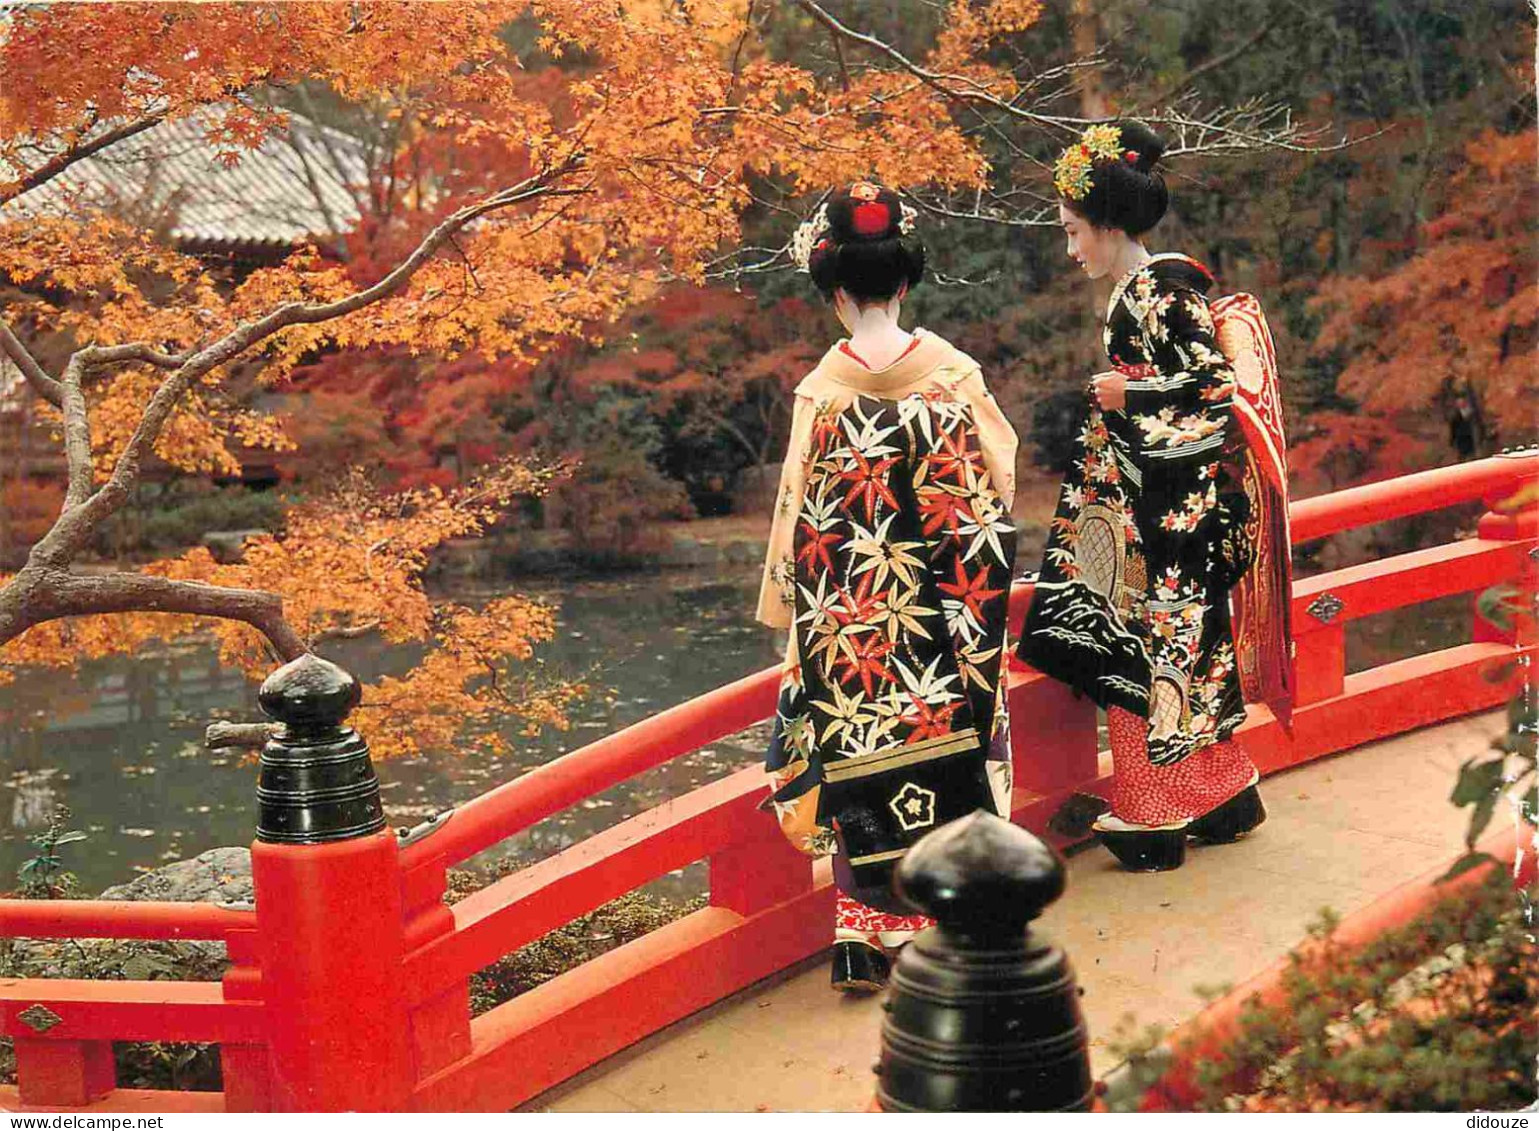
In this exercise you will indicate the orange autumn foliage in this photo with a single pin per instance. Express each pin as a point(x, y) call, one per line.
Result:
point(670, 139)
point(1344, 449)
point(352, 562)
point(1463, 308)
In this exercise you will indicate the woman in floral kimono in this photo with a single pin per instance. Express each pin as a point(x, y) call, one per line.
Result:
point(890, 561)
point(1151, 530)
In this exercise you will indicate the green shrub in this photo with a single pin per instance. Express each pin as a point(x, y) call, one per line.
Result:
point(1437, 1015)
point(174, 516)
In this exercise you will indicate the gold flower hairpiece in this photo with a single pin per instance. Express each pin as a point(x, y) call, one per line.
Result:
point(1071, 173)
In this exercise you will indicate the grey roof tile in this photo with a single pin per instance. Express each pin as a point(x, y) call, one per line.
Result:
point(171, 169)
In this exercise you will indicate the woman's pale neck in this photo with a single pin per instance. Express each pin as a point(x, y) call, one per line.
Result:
point(1129, 258)
point(875, 335)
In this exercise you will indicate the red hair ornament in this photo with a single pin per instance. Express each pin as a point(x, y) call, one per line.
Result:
point(871, 219)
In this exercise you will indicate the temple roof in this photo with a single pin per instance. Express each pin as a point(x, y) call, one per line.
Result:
point(170, 178)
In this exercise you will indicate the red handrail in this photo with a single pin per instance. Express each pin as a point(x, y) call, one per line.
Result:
point(1410, 494)
point(548, 789)
point(111, 919)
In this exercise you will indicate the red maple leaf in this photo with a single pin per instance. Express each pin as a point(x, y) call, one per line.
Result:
point(868, 662)
point(928, 721)
point(868, 484)
point(943, 509)
point(815, 548)
point(970, 591)
point(859, 608)
point(955, 457)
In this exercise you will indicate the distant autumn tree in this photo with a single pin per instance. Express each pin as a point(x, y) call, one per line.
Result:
point(1460, 316)
point(630, 162)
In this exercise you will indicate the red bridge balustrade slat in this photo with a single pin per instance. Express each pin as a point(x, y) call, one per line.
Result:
point(1384, 701)
point(540, 1038)
point(1408, 579)
point(127, 1101)
point(127, 1011)
point(114, 919)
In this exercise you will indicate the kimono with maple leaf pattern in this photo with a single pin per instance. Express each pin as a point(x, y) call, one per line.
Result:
point(1131, 602)
point(890, 561)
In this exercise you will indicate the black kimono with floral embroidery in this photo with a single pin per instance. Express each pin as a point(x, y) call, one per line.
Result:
point(1132, 600)
point(892, 720)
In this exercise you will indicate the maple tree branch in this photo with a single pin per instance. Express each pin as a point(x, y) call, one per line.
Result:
point(249, 736)
point(1045, 216)
point(349, 632)
point(1254, 125)
point(76, 523)
point(932, 79)
point(37, 377)
point(737, 52)
point(77, 436)
point(313, 183)
point(133, 351)
point(39, 594)
point(844, 69)
point(339, 166)
point(1248, 127)
point(62, 161)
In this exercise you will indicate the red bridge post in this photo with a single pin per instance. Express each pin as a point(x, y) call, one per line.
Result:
point(1513, 516)
point(331, 938)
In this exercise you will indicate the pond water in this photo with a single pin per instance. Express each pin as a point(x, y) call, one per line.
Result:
point(119, 741)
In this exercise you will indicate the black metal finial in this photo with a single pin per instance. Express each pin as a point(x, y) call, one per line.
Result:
point(317, 782)
point(309, 692)
point(982, 1015)
point(981, 874)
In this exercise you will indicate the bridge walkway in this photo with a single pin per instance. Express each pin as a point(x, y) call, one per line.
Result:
point(1342, 831)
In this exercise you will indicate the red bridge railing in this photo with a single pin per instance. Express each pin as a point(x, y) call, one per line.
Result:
point(349, 986)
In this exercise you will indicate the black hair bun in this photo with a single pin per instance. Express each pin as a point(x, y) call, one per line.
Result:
point(869, 248)
point(1127, 194)
point(1149, 145)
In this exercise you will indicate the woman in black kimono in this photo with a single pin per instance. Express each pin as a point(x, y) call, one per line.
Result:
point(1150, 534)
point(890, 559)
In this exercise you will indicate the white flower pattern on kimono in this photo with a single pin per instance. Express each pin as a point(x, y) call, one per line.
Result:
point(1166, 429)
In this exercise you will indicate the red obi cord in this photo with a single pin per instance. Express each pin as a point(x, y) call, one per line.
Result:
point(1145, 794)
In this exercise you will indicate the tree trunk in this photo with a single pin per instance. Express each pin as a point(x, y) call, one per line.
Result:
point(1086, 22)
